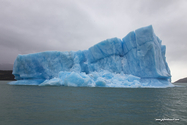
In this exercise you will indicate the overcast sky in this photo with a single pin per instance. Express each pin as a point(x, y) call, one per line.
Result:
point(29, 26)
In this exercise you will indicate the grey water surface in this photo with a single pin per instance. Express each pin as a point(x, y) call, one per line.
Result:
point(55, 105)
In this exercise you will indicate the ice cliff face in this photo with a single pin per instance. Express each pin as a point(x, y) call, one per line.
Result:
point(138, 60)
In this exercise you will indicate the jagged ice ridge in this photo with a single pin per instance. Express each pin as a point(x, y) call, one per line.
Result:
point(138, 60)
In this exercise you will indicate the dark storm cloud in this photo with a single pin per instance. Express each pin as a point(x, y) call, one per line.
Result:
point(33, 26)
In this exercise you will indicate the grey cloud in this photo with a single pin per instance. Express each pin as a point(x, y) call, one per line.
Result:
point(33, 28)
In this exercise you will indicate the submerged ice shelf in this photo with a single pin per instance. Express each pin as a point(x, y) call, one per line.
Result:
point(138, 60)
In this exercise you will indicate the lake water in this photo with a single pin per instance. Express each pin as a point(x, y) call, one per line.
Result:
point(54, 105)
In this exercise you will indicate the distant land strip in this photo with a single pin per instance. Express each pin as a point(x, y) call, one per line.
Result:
point(6, 75)
point(183, 80)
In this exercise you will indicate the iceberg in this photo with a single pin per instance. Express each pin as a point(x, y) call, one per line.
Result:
point(137, 60)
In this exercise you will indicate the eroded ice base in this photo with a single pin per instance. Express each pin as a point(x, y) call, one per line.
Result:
point(97, 79)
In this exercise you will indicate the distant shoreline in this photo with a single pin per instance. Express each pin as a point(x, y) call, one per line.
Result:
point(183, 80)
point(6, 75)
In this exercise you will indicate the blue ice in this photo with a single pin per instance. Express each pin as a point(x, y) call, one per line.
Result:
point(137, 60)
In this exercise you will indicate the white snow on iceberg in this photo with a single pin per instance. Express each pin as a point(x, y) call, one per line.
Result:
point(138, 60)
